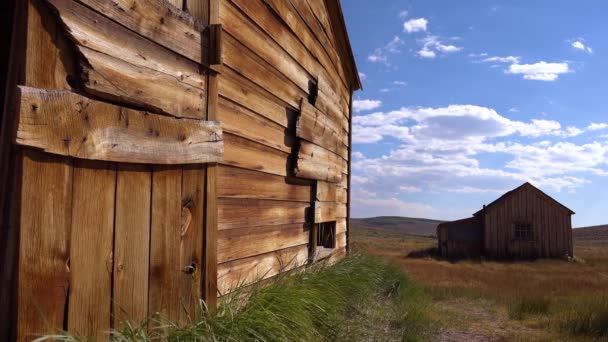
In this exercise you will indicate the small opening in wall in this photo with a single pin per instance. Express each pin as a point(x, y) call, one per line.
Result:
point(313, 91)
point(326, 235)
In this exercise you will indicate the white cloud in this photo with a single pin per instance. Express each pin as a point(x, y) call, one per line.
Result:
point(363, 105)
point(381, 54)
point(426, 53)
point(384, 90)
point(513, 110)
point(541, 71)
point(580, 45)
point(597, 126)
point(400, 83)
point(497, 59)
point(432, 44)
point(403, 14)
point(415, 25)
point(362, 76)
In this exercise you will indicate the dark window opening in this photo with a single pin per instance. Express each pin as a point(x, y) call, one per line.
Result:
point(313, 92)
point(326, 235)
point(523, 231)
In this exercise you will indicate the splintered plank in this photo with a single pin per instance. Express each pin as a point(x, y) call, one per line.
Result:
point(46, 194)
point(239, 213)
point(64, 123)
point(166, 269)
point(131, 260)
point(113, 79)
point(191, 238)
point(156, 20)
point(318, 128)
point(314, 162)
point(326, 211)
point(253, 269)
point(91, 248)
point(241, 183)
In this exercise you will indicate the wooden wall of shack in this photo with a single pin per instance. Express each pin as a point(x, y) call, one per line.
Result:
point(461, 238)
point(286, 161)
point(90, 242)
point(551, 222)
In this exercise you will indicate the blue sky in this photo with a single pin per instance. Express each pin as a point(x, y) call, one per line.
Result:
point(464, 100)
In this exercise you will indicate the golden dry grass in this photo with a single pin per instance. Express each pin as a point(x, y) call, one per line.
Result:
point(538, 291)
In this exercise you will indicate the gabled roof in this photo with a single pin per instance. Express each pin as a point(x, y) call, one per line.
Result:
point(519, 188)
point(347, 57)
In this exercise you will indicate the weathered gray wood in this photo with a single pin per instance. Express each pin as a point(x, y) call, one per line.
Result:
point(68, 124)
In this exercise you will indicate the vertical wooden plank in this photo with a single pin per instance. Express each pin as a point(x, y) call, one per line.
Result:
point(165, 263)
point(199, 9)
point(191, 244)
point(131, 243)
point(177, 3)
point(210, 292)
point(91, 248)
point(44, 244)
point(45, 195)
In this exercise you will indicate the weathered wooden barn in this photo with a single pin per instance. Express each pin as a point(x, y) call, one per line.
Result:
point(158, 152)
point(523, 223)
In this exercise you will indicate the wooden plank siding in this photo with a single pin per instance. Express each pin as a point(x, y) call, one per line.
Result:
point(154, 155)
point(263, 211)
point(551, 222)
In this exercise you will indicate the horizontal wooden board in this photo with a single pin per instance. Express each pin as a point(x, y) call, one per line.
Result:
point(317, 163)
point(249, 270)
point(243, 29)
point(166, 25)
point(116, 80)
point(235, 182)
point(326, 211)
point(319, 129)
point(65, 123)
point(248, 154)
point(304, 47)
point(260, 72)
point(240, 121)
point(92, 30)
point(341, 210)
point(240, 213)
point(239, 89)
point(245, 242)
point(326, 192)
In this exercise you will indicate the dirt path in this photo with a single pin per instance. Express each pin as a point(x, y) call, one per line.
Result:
point(474, 321)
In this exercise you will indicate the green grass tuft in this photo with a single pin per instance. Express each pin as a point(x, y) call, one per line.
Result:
point(359, 298)
point(585, 316)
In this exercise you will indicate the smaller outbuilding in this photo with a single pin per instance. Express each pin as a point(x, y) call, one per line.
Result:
point(523, 223)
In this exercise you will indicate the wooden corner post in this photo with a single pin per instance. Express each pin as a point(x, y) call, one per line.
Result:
point(210, 292)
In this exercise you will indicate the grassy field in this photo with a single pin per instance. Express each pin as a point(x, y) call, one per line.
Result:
point(477, 300)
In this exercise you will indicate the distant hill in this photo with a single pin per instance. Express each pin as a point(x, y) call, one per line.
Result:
point(591, 233)
point(408, 225)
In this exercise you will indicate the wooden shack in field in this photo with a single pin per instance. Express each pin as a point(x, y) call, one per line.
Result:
point(523, 223)
point(158, 152)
